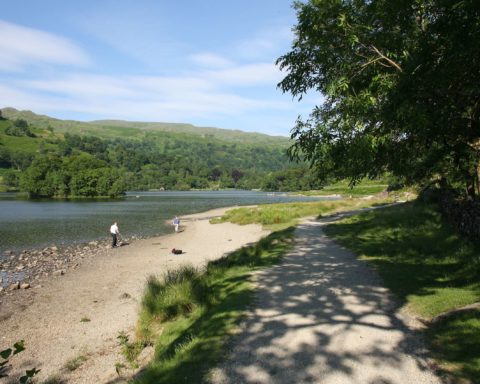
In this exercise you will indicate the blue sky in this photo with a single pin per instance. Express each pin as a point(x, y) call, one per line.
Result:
point(205, 62)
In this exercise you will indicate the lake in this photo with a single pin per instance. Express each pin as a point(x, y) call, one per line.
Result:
point(26, 224)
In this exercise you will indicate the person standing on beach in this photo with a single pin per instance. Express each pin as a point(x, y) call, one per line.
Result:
point(114, 232)
point(176, 223)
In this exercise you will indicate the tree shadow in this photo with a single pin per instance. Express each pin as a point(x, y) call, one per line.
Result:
point(323, 316)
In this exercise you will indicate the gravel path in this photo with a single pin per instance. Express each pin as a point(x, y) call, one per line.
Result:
point(322, 316)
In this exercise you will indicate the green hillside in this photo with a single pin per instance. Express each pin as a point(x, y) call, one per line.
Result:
point(137, 130)
point(47, 157)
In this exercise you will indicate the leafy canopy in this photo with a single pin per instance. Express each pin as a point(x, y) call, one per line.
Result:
point(400, 82)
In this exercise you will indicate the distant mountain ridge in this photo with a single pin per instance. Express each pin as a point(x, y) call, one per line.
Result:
point(136, 129)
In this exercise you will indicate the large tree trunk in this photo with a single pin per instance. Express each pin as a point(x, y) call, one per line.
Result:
point(470, 187)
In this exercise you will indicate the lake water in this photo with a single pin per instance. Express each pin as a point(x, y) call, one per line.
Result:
point(26, 224)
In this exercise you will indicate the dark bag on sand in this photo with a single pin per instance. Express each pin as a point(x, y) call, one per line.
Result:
point(177, 251)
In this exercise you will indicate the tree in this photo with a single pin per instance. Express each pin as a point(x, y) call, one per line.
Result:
point(40, 179)
point(237, 175)
point(400, 81)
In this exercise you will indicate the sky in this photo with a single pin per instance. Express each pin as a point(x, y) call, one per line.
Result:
point(203, 62)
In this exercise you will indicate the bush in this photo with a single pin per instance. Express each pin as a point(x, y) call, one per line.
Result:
point(178, 294)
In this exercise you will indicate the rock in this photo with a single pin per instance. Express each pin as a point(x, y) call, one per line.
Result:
point(25, 286)
point(54, 249)
point(1, 289)
point(20, 267)
point(59, 272)
point(14, 286)
point(8, 252)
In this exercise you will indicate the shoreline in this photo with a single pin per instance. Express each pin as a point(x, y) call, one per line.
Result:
point(82, 312)
point(28, 268)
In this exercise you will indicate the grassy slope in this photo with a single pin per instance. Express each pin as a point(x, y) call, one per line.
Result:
point(138, 130)
point(429, 268)
point(24, 143)
point(278, 216)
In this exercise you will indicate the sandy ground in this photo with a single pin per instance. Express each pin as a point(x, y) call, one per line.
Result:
point(82, 312)
point(324, 317)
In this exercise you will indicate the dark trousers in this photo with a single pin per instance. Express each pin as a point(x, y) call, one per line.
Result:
point(114, 239)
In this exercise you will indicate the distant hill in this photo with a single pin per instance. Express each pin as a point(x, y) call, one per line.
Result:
point(46, 157)
point(136, 130)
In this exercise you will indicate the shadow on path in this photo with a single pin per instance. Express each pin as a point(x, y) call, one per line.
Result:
point(322, 316)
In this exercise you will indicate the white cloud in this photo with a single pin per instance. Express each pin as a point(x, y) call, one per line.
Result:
point(83, 85)
point(181, 99)
point(210, 60)
point(21, 46)
point(248, 75)
point(268, 43)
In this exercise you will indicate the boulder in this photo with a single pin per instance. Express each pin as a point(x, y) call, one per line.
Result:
point(14, 286)
point(24, 286)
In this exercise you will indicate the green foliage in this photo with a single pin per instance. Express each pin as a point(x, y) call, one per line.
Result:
point(292, 179)
point(399, 80)
point(149, 159)
point(10, 178)
point(194, 341)
point(8, 353)
point(19, 128)
point(431, 270)
point(80, 175)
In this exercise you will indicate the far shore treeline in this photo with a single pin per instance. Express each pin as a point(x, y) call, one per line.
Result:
point(45, 157)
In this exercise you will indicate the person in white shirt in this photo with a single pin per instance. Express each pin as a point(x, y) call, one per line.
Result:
point(176, 223)
point(114, 232)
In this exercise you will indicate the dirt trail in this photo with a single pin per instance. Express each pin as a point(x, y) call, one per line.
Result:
point(324, 317)
point(81, 313)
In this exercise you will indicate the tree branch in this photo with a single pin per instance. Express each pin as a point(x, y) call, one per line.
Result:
point(393, 63)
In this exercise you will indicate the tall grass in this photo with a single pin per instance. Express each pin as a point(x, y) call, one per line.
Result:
point(430, 268)
point(190, 313)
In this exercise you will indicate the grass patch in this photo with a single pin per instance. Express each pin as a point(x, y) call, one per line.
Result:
point(75, 363)
point(191, 313)
point(455, 343)
point(56, 379)
point(130, 350)
point(85, 320)
point(366, 187)
point(429, 267)
point(279, 216)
